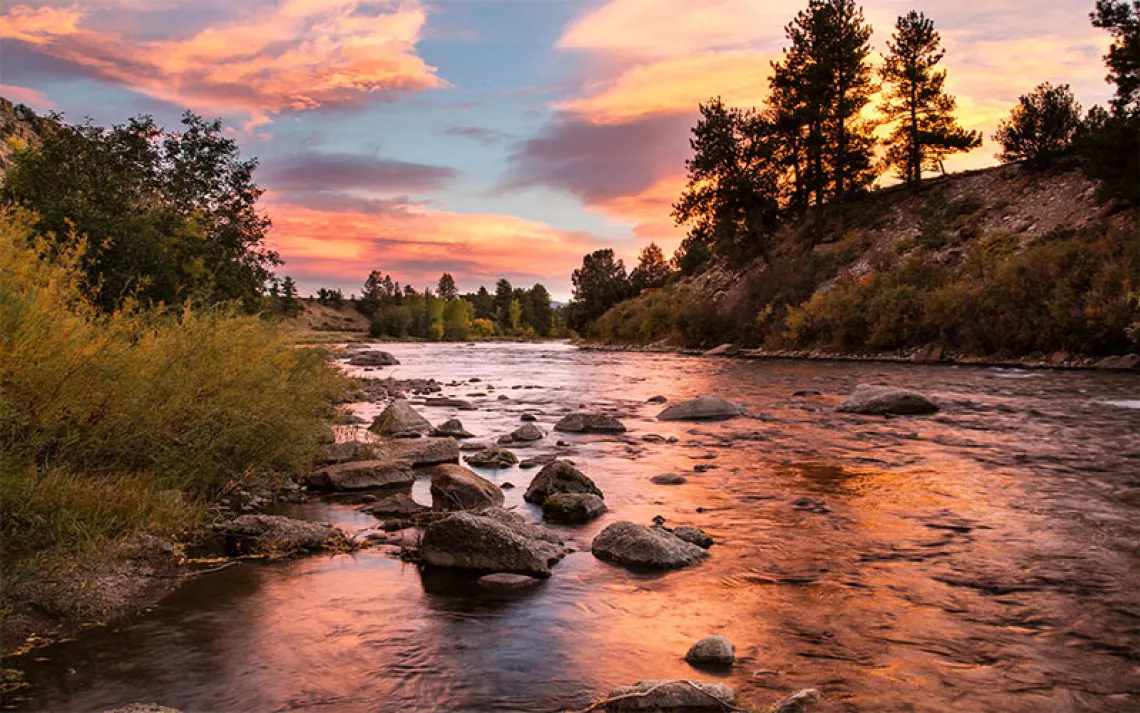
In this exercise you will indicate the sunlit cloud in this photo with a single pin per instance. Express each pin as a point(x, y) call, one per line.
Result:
point(25, 95)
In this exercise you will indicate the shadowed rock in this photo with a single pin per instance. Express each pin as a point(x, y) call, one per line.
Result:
point(493, 458)
point(362, 475)
point(275, 534)
point(451, 403)
point(142, 708)
point(669, 479)
point(672, 696)
point(400, 420)
point(485, 543)
point(702, 408)
point(887, 400)
point(452, 428)
point(712, 651)
point(401, 504)
point(525, 433)
point(506, 582)
point(633, 545)
point(572, 507)
point(559, 477)
point(694, 535)
point(453, 487)
point(589, 423)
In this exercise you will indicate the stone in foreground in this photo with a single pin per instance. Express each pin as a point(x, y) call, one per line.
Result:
point(483, 543)
point(632, 545)
point(572, 508)
point(589, 423)
point(400, 420)
point(559, 477)
point(454, 487)
point(712, 651)
point(362, 475)
point(672, 696)
point(275, 534)
point(702, 408)
point(887, 400)
point(799, 702)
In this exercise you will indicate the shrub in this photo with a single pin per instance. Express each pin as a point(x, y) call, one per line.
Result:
point(1042, 128)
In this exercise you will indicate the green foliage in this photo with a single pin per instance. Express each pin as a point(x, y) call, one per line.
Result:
point(1122, 20)
point(170, 216)
point(446, 287)
point(1111, 149)
point(1042, 129)
point(599, 284)
point(652, 269)
point(106, 418)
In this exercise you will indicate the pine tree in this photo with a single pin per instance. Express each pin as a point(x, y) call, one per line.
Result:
point(290, 306)
point(652, 270)
point(501, 302)
point(1122, 20)
point(446, 287)
point(1042, 128)
point(926, 131)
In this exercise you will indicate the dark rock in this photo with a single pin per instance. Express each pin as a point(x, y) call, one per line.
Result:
point(362, 475)
point(559, 476)
point(669, 479)
point(703, 408)
point(712, 651)
point(656, 400)
point(420, 451)
point(589, 423)
point(400, 419)
point(454, 487)
point(799, 702)
point(452, 428)
point(490, 543)
point(537, 461)
point(275, 534)
point(807, 392)
point(493, 458)
point(723, 350)
point(373, 359)
point(694, 535)
point(572, 507)
point(814, 505)
point(528, 418)
point(401, 504)
point(672, 696)
point(502, 581)
point(452, 403)
point(634, 545)
point(142, 708)
point(526, 433)
point(886, 400)
point(705, 467)
point(506, 485)
point(348, 451)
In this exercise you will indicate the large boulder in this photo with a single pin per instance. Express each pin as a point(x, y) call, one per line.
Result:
point(486, 543)
point(419, 451)
point(362, 475)
point(493, 458)
point(627, 543)
point(453, 487)
point(712, 651)
point(373, 359)
point(559, 477)
point(451, 428)
point(589, 423)
point(702, 408)
point(887, 400)
point(276, 534)
point(572, 507)
point(672, 696)
point(400, 420)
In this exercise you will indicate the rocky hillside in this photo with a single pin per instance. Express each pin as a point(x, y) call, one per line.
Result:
point(316, 317)
point(19, 127)
point(1002, 261)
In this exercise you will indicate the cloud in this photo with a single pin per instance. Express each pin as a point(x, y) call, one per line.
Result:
point(25, 95)
point(312, 171)
point(481, 134)
point(300, 55)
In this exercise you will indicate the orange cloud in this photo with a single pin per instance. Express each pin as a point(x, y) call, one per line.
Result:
point(302, 55)
point(25, 95)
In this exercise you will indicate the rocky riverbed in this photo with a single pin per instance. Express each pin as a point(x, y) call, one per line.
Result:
point(965, 541)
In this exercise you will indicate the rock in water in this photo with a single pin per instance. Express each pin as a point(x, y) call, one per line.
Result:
point(142, 708)
point(400, 420)
point(676, 696)
point(669, 479)
point(401, 504)
point(712, 651)
point(453, 487)
point(694, 535)
point(373, 359)
point(362, 475)
point(799, 702)
point(493, 458)
point(887, 400)
point(484, 543)
point(589, 423)
point(559, 477)
point(451, 428)
point(275, 534)
point(572, 507)
point(419, 451)
point(506, 582)
point(633, 545)
point(528, 432)
point(722, 350)
point(703, 408)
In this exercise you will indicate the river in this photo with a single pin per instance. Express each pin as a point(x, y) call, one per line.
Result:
point(986, 558)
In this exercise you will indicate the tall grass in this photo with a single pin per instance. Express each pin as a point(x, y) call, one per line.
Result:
point(126, 422)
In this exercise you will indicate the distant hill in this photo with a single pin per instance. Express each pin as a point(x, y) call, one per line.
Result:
point(316, 317)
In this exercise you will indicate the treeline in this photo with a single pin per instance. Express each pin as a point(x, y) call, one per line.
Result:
point(812, 152)
point(397, 311)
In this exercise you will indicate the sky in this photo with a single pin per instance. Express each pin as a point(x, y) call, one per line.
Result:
point(485, 138)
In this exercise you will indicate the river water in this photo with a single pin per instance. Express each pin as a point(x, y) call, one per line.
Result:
point(986, 558)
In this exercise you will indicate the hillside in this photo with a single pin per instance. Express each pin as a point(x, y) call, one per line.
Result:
point(316, 317)
point(19, 126)
point(1001, 261)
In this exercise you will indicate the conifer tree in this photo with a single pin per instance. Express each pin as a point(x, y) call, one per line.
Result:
point(925, 131)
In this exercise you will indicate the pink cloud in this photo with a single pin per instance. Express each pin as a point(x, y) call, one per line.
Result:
point(25, 95)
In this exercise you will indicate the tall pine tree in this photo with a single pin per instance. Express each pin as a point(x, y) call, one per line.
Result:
point(926, 131)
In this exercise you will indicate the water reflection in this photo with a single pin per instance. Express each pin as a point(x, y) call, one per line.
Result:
point(982, 559)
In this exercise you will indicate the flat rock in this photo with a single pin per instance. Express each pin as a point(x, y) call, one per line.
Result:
point(362, 475)
point(454, 487)
point(451, 428)
point(539, 460)
point(669, 479)
point(400, 504)
point(501, 581)
point(694, 535)
point(450, 403)
point(723, 350)
point(486, 543)
point(589, 423)
point(493, 458)
point(572, 508)
point(373, 358)
point(276, 534)
point(419, 451)
point(712, 651)
point(142, 708)
point(560, 476)
point(702, 408)
point(400, 419)
point(887, 400)
point(672, 696)
point(627, 543)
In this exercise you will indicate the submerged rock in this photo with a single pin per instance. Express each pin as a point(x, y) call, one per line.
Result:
point(702, 408)
point(694, 535)
point(559, 477)
point(400, 420)
point(502, 581)
point(401, 504)
point(672, 696)
point(799, 702)
point(373, 358)
point(454, 487)
point(589, 423)
point(362, 475)
point(493, 458)
point(452, 428)
point(656, 400)
point(887, 400)
point(572, 507)
point(712, 651)
point(627, 543)
point(487, 543)
point(275, 534)
point(452, 403)
point(669, 479)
